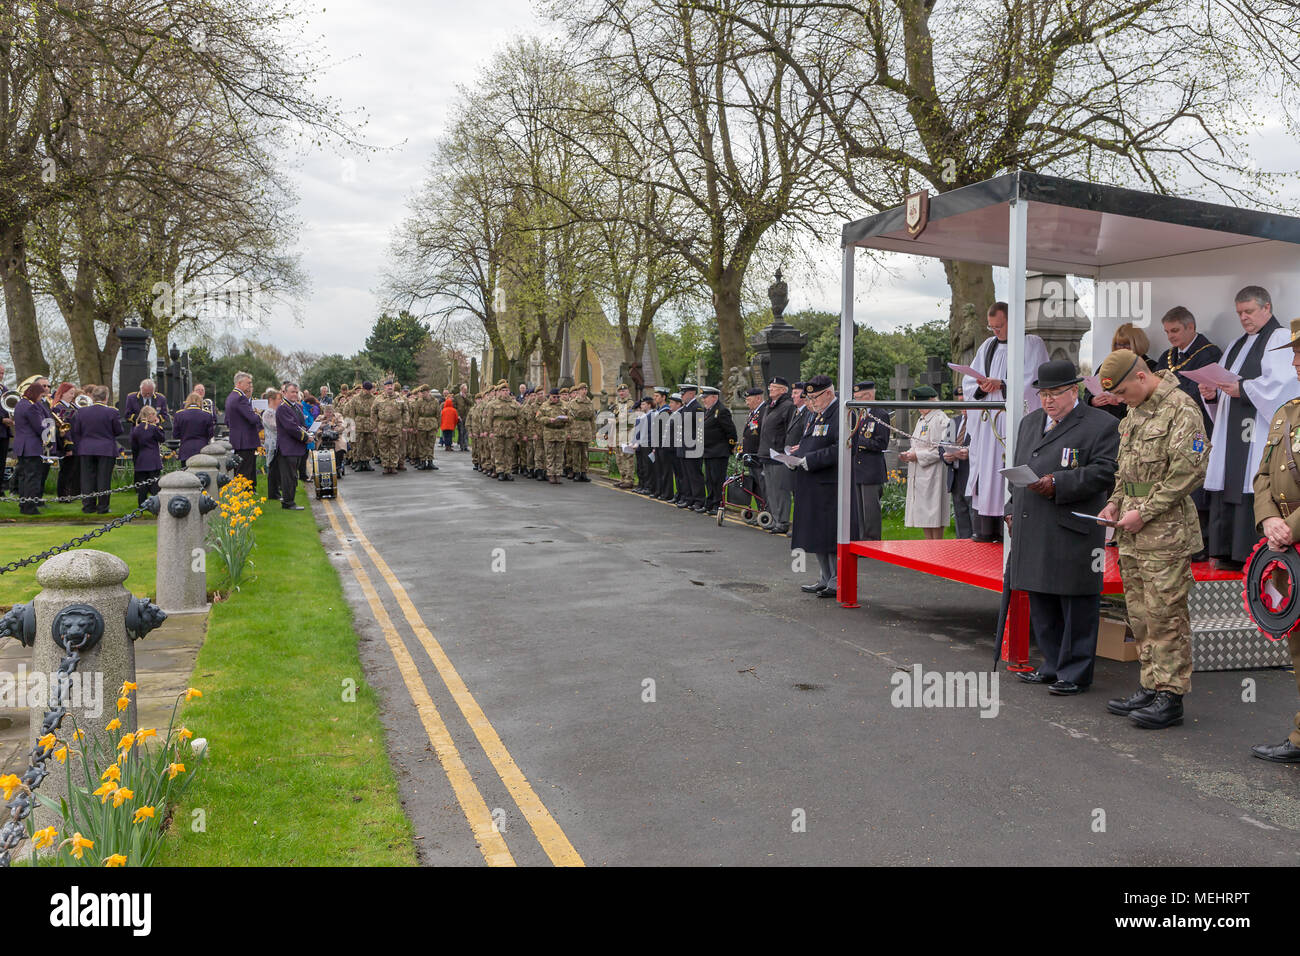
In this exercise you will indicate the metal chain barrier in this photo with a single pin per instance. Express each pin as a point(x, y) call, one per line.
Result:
point(20, 807)
point(92, 494)
point(149, 507)
point(984, 416)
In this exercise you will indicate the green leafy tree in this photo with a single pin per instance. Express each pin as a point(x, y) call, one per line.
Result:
point(395, 341)
point(336, 370)
point(875, 353)
point(218, 375)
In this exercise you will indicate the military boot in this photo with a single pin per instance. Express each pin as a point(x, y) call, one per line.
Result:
point(388, 470)
point(1126, 705)
point(1165, 711)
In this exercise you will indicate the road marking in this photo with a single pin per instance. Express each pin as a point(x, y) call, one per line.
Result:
point(549, 833)
point(490, 841)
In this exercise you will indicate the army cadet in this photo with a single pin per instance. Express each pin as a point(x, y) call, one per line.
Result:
point(1277, 518)
point(624, 412)
point(475, 427)
point(523, 434)
point(555, 423)
point(583, 413)
point(505, 424)
point(1163, 453)
point(565, 398)
point(536, 440)
point(387, 419)
point(361, 407)
point(426, 417)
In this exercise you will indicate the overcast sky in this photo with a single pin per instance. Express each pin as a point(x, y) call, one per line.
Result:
point(401, 61)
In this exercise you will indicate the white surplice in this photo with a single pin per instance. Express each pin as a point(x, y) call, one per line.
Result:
point(986, 488)
point(1275, 386)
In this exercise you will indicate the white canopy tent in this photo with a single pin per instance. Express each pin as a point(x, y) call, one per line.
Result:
point(1177, 251)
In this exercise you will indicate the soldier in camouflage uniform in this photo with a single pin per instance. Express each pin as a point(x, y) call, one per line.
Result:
point(475, 425)
point(539, 437)
point(554, 428)
point(1163, 453)
point(583, 413)
point(624, 416)
point(426, 417)
point(505, 424)
point(1277, 517)
point(361, 406)
point(566, 398)
point(388, 418)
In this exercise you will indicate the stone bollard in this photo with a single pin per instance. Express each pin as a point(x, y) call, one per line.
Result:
point(182, 555)
point(217, 452)
point(82, 597)
point(209, 473)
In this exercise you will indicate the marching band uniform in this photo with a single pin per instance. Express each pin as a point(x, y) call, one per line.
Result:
point(69, 467)
point(194, 426)
point(145, 440)
point(244, 424)
point(291, 447)
point(29, 447)
point(136, 401)
point(94, 434)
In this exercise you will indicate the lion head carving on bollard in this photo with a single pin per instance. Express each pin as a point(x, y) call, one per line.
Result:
point(77, 625)
point(142, 616)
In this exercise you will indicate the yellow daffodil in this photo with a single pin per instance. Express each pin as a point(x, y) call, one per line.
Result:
point(191, 693)
point(129, 685)
point(144, 813)
point(114, 724)
point(112, 773)
point(49, 740)
point(9, 783)
point(44, 838)
point(174, 769)
point(184, 734)
point(121, 795)
point(80, 734)
point(125, 743)
point(80, 844)
point(123, 703)
point(146, 734)
point(61, 755)
point(105, 791)
point(117, 859)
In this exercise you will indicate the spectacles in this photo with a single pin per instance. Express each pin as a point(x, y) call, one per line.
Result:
point(1056, 392)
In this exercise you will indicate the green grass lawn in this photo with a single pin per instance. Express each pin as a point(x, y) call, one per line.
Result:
point(892, 529)
point(135, 543)
point(296, 775)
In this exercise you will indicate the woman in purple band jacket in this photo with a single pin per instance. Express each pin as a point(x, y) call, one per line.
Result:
point(146, 437)
point(29, 444)
point(193, 426)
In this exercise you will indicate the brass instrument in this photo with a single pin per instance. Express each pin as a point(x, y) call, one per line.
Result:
point(10, 402)
point(210, 407)
point(81, 401)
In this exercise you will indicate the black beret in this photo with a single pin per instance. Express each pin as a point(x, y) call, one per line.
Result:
point(753, 391)
point(817, 384)
point(367, 384)
point(803, 385)
point(555, 391)
point(867, 383)
point(778, 380)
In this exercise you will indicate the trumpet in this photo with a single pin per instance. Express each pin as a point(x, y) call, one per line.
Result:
point(210, 407)
point(81, 401)
point(10, 402)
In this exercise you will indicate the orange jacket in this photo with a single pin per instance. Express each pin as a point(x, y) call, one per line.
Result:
point(449, 415)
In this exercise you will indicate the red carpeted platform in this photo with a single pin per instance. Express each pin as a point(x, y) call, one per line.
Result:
point(980, 565)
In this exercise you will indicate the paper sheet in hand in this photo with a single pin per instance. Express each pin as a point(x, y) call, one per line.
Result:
point(315, 426)
point(790, 461)
point(1093, 383)
point(1080, 514)
point(1020, 475)
point(261, 404)
point(628, 449)
point(1213, 374)
point(966, 370)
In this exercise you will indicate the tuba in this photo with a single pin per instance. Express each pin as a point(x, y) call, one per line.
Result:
point(9, 402)
point(82, 400)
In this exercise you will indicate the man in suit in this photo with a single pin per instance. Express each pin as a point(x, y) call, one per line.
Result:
point(290, 444)
point(868, 443)
point(147, 397)
point(689, 454)
point(32, 425)
point(1055, 556)
point(94, 436)
point(958, 462)
point(815, 482)
point(749, 442)
point(243, 423)
point(719, 439)
point(777, 480)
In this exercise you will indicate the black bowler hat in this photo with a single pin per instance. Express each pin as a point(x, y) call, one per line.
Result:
point(1057, 373)
point(860, 386)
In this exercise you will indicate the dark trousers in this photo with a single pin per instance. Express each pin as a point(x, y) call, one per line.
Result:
point(446, 437)
point(289, 466)
point(96, 476)
point(69, 477)
point(1065, 629)
point(779, 482)
point(756, 485)
point(1232, 527)
point(4, 456)
point(664, 459)
point(247, 464)
point(961, 511)
point(463, 434)
point(144, 491)
point(273, 476)
point(28, 480)
point(715, 473)
point(679, 478)
point(644, 469)
point(866, 499)
point(986, 526)
point(693, 473)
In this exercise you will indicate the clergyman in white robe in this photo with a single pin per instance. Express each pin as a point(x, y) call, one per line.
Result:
point(987, 489)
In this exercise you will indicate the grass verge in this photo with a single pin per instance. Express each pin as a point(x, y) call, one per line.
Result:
point(296, 775)
point(135, 543)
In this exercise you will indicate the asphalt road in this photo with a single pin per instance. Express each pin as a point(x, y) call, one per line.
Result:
point(773, 735)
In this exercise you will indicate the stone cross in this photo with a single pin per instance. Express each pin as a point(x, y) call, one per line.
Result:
point(935, 372)
point(902, 382)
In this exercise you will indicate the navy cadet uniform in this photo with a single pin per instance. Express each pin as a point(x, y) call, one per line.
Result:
point(719, 439)
point(688, 456)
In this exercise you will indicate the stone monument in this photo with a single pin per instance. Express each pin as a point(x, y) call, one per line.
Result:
point(779, 347)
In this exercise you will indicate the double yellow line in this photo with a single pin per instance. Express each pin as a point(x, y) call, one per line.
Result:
point(490, 841)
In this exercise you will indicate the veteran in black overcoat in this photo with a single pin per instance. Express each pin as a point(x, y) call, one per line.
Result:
point(815, 483)
point(1055, 556)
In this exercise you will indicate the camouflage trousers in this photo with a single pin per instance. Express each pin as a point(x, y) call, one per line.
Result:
point(626, 466)
point(426, 442)
point(539, 452)
point(577, 457)
point(1156, 585)
point(390, 447)
point(365, 447)
point(554, 451)
point(503, 454)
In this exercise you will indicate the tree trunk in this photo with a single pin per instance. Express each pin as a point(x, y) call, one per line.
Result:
point(80, 318)
point(971, 284)
point(731, 326)
point(20, 307)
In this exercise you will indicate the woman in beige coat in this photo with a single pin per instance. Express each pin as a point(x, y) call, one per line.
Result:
point(927, 478)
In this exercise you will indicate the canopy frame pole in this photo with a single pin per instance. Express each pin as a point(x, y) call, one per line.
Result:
point(846, 582)
point(1015, 393)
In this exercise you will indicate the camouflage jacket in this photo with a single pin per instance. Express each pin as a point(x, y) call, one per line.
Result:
point(583, 413)
point(387, 415)
point(1163, 451)
point(361, 407)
